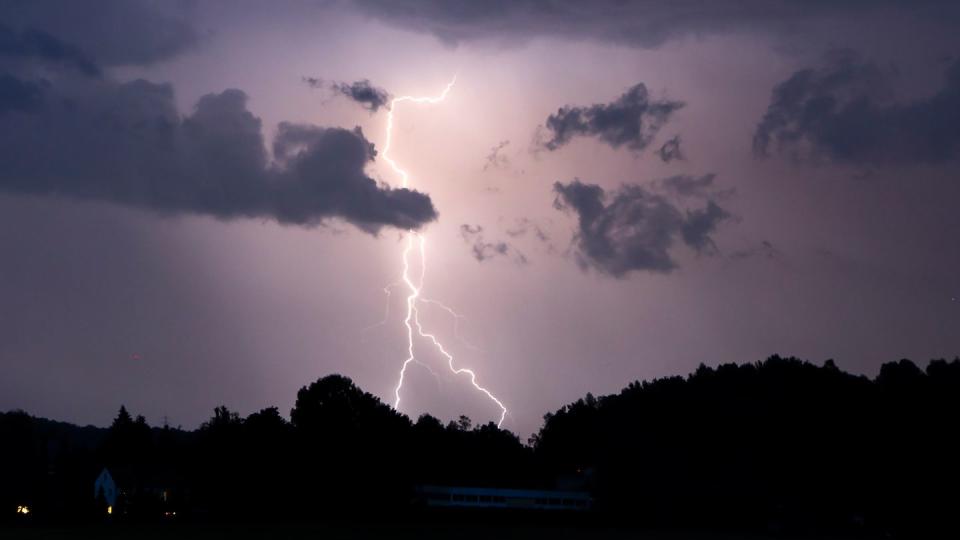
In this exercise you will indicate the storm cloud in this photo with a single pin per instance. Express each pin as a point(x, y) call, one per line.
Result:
point(634, 228)
point(126, 143)
point(687, 186)
point(36, 45)
point(107, 32)
point(842, 112)
point(312, 82)
point(19, 95)
point(764, 250)
point(670, 150)
point(368, 96)
point(700, 223)
point(633, 24)
point(632, 120)
point(483, 250)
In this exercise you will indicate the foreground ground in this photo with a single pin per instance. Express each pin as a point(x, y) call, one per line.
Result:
point(465, 531)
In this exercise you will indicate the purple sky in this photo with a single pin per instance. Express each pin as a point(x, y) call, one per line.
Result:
point(172, 246)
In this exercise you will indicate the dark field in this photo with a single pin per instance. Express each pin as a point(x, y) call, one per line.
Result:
point(465, 531)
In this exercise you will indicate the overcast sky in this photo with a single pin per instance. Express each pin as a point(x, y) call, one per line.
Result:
point(195, 209)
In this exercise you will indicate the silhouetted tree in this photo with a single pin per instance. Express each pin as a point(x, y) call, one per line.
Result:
point(350, 442)
point(781, 443)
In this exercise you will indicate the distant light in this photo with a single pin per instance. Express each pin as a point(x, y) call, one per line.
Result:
point(23, 509)
point(109, 510)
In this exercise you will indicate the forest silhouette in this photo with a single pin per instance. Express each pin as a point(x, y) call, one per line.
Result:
point(779, 445)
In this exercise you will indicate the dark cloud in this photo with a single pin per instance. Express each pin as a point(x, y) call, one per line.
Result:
point(634, 229)
point(495, 159)
point(632, 120)
point(843, 112)
point(526, 225)
point(765, 250)
point(18, 95)
point(670, 150)
point(321, 172)
point(111, 32)
point(126, 143)
point(312, 82)
point(93, 138)
point(686, 186)
point(635, 24)
point(36, 45)
point(700, 224)
point(484, 250)
point(368, 96)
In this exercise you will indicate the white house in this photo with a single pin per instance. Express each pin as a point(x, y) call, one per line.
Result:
point(106, 486)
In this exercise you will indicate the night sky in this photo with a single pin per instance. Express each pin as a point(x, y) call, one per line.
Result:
point(195, 209)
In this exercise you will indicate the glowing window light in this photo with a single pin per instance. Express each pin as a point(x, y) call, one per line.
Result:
point(109, 510)
point(24, 509)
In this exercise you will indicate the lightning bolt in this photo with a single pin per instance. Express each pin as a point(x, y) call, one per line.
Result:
point(456, 321)
point(416, 240)
point(386, 318)
point(388, 290)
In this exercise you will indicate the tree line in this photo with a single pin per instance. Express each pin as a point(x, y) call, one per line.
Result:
point(780, 444)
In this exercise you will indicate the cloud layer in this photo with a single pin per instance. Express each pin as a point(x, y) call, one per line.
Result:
point(126, 143)
point(634, 24)
point(108, 32)
point(39, 46)
point(632, 120)
point(841, 112)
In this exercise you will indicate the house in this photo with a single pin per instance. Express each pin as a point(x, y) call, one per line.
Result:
point(141, 491)
point(104, 486)
point(517, 499)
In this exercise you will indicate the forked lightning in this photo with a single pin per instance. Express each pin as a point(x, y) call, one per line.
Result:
point(416, 241)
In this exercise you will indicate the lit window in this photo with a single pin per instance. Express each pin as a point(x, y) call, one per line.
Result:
point(109, 510)
point(23, 509)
